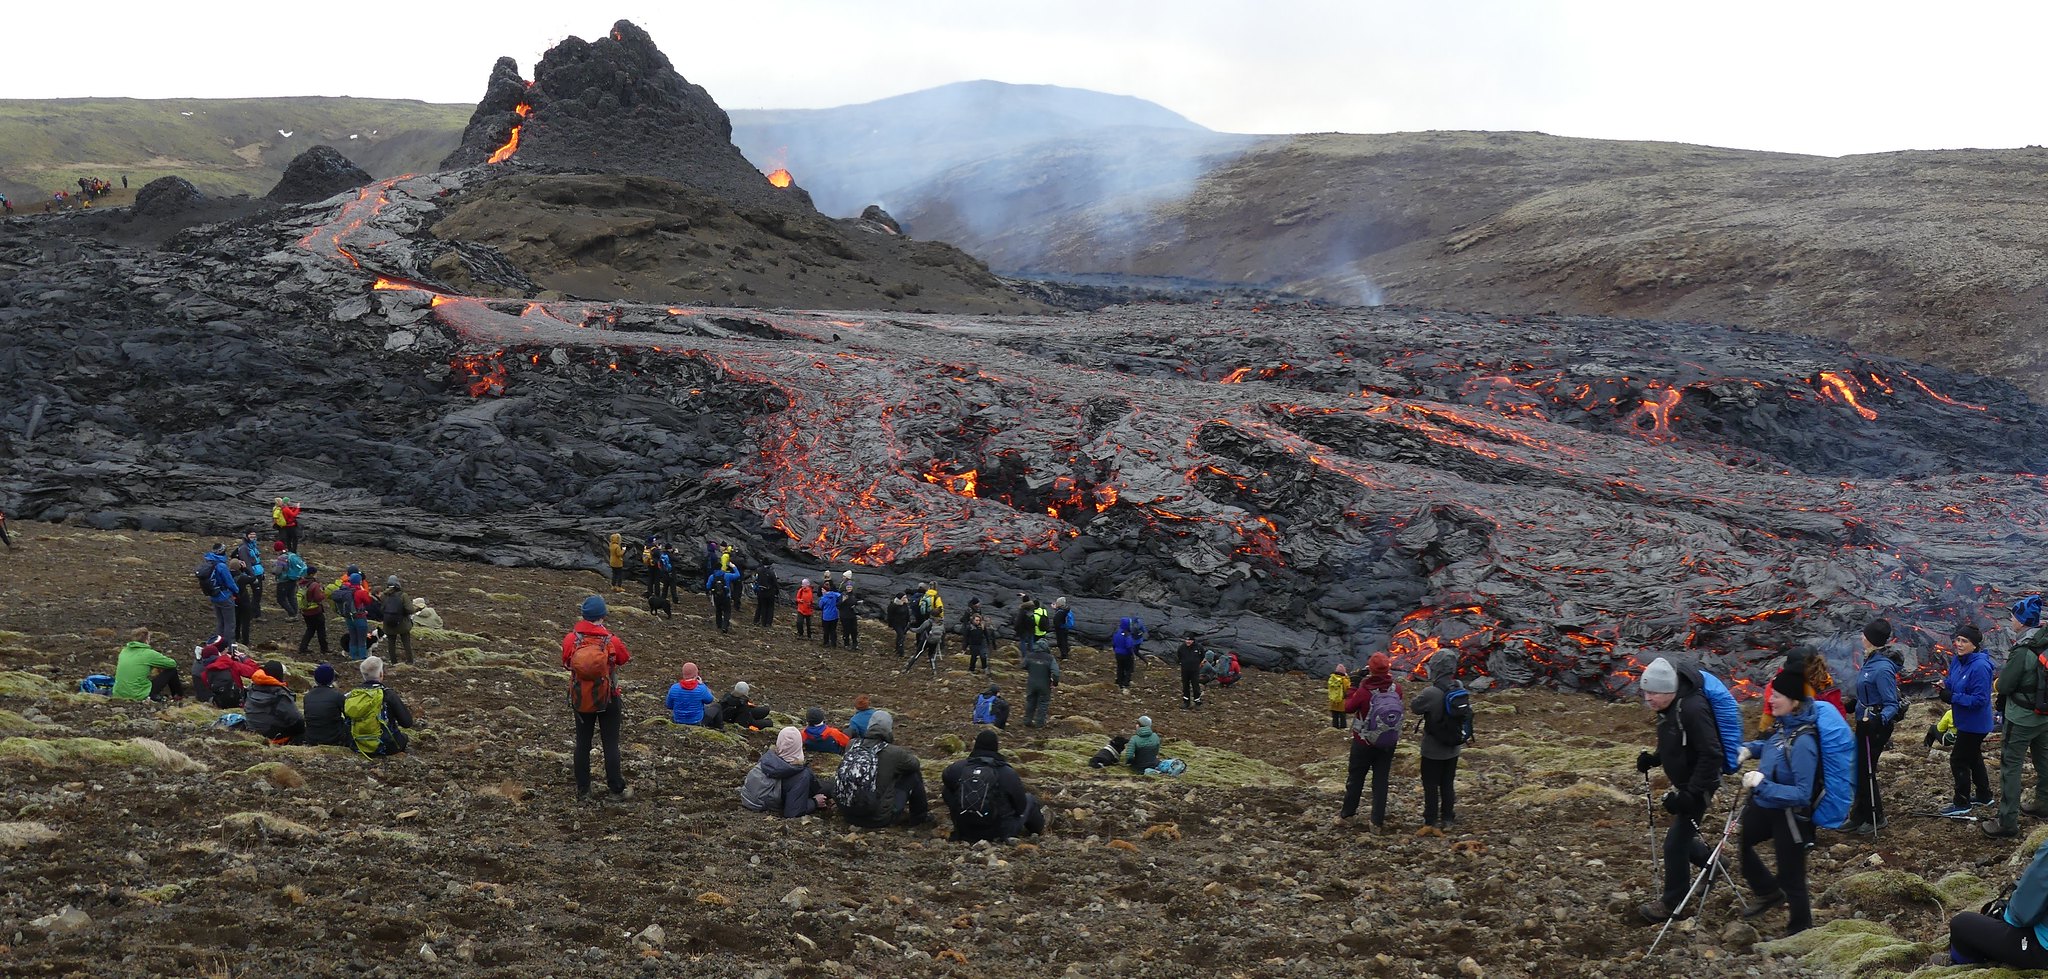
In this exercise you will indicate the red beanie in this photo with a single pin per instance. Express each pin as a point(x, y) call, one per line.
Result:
point(1379, 665)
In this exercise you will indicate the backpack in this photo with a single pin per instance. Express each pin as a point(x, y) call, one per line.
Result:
point(978, 793)
point(203, 574)
point(855, 792)
point(1453, 724)
point(394, 605)
point(294, 567)
point(1379, 724)
point(1834, 780)
point(222, 686)
point(2025, 904)
point(1067, 621)
point(1727, 719)
point(344, 601)
point(984, 709)
point(368, 722)
point(98, 683)
point(590, 673)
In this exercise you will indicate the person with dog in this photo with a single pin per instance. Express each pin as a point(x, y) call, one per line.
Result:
point(1689, 751)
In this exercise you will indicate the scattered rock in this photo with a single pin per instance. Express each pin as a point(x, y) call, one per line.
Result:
point(65, 922)
point(652, 936)
point(1439, 889)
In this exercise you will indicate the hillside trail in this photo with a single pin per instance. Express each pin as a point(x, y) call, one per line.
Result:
point(217, 853)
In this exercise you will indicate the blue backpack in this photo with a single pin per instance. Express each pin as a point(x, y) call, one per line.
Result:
point(98, 683)
point(1727, 719)
point(1834, 789)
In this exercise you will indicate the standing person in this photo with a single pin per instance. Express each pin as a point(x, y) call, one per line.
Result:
point(897, 617)
point(828, 613)
point(1338, 686)
point(1020, 624)
point(1440, 744)
point(142, 673)
point(1126, 645)
point(1063, 625)
point(313, 612)
point(1689, 750)
point(615, 556)
point(285, 514)
point(719, 584)
point(396, 611)
point(665, 571)
point(1041, 677)
point(1377, 702)
point(765, 587)
point(354, 598)
point(880, 783)
point(4, 539)
point(325, 724)
point(806, 607)
point(2026, 720)
point(245, 599)
point(221, 591)
point(592, 655)
point(250, 551)
point(1967, 688)
point(291, 571)
point(277, 521)
point(849, 612)
point(974, 634)
point(986, 797)
point(1877, 710)
point(1781, 792)
point(1190, 659)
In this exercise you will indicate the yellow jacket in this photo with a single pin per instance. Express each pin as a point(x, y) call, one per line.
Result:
point(1340, 688)
point(618, 555)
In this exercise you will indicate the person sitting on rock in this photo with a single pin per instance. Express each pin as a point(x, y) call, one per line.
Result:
point(688, 696)
point(377, 717)
point(271, 709)
point(823, 738)
point(986, 796)
point(738, 709)
point(1041, 677)
point(222, 679)
point(325, 724)
point(424, 617)
point(990, 708)
point(782, 783)
point(863, 710)
point(142, 673)
point(881, 784)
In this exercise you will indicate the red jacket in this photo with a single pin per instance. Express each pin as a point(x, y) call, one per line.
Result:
point(619, 654)
point(243, 669)
point(291, 514)
point(1361, 695)
point(806, 601)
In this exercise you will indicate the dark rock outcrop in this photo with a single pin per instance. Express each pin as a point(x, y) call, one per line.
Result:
point(874, 216)
point(317, 174)
point(615, 104)
point(166, 196)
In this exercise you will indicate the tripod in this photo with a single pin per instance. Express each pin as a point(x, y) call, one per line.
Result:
point(927, 647)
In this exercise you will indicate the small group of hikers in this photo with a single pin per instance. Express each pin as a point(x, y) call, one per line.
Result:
point(1375, 713)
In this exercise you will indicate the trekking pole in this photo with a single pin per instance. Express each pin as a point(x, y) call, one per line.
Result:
point(1713, 857)
point(1656, 856)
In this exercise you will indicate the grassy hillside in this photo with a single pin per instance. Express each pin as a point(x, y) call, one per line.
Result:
point(225, 146)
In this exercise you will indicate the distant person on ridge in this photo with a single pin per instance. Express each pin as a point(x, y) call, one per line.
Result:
point(615, 558)
point(593, 655)
point(1338, 688)
point(1689, 750)
point(1877, 710)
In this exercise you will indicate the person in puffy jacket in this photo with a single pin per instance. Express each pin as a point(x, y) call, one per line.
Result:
point(863, 711)
point(2023, 688)
point(1002, 810)
point(823, 738)
point(782, 783)
point(1689, 750)
point(325, 723)
point(1367, 757)
point(899, 797)
point(221, 680)
point(142, 673)
point(1125, 645)
point(1439, 759)
point(615, 558)
point(221, 591)
point(828, 613)
point(1967, 688)
point(1338, 686)
point(604, 722)
point(806, 609)
point(1141, 752)
point(271, 709)
point(1781, 792)
point(688, 696)
point(1877, 710)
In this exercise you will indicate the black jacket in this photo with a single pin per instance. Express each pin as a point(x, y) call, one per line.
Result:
point(324, 722)
point(1006, 804)
point(1689, 744)
point(1189, 657)
point(897, 615)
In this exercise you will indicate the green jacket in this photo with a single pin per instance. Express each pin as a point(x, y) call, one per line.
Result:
point(131, 672)
point(1142, 751)
point(2020, 681)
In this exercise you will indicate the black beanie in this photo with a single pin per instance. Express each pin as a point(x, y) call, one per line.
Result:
point(1790, 684)
point(1973, 634)
point(814, 716)
point(985, 743)
point(1878, 632)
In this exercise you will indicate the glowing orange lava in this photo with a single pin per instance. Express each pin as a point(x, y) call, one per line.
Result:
point(780, 178)
point(512, 142)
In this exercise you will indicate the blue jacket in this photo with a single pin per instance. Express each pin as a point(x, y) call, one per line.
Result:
point(251, 554)
point(224, 588)
point(857, 725)
point(828, 607)
point(1124, 642)
point(687, 706)
point(1877, 687)
point(1791, 765)
point(1969, 690)
point(294, 567)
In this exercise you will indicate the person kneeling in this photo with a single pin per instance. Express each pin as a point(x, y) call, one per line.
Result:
point(270, 708)
point(781, 783)
point(987, 797)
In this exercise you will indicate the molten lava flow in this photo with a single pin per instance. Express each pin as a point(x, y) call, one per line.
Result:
point(1837, 387)
point(511, 146)
point(780, 178)
point(486, 373)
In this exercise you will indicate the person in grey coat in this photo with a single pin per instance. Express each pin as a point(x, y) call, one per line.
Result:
point(1042, 674)
point(781, 783)
point(1439, 756)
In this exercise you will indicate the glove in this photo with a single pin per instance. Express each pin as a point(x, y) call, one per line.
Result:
point(1743, 756)
point(1683, 802)
point(1646, 761)
point(1751, 780)
point(1671, 803)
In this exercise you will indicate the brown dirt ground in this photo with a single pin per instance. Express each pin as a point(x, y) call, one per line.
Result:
point(472, 848)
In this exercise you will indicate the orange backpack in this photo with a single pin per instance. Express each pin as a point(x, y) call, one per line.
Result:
point(591, 687)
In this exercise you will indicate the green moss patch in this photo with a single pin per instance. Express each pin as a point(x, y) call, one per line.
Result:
point(195, 715)
point(267, 825)
point(446, 635)
point(13, 723)
point(1539, 795)
point(1850, 947)
point(81, 753)
point(1882, 886)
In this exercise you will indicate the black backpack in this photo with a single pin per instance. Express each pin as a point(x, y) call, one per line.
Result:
point(204, 575)
point(226, 692)
point(394, 605)
point(978, 793)
point(855, 792)
point(1453, 723)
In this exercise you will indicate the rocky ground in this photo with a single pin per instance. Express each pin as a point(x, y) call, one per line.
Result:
point(183, 848)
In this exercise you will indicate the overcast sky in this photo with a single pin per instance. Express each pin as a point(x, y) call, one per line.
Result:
point(1814, 77)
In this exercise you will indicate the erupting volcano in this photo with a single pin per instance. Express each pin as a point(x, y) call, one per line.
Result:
point(780, 178)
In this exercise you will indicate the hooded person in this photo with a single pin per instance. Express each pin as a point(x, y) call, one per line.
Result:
point(1967, 687)
point(325, 724)
point(688, 696)
point(986, 796)
point(2020, 685)
point(990, 708)
point(425, 617)
point(1062, 625)
point(593, 655)
point(1689, 750)
point(1781, 794)
point(1439, 755)
point(1125, 644)
point(270, 709)
point(781, 782)
point(143, 673)
point(880, 783)
point(1368, 755)
point(823, 738)
point(1141, 753)
point(615, 558)
point(396, 614)
point(1877, 709)
point(1338, 687)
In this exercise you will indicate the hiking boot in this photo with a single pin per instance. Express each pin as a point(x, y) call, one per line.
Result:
point(2035, 811)
point(1999, 831)
point(1762, 903)
point(623, 794)
point(1655, 912)
point(1957, 808)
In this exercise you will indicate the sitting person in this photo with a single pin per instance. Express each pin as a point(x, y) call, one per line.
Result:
point(823, 738)
point(738, 709)
point(991, 708)
point(880, 783)
point(1109, 754)
point(270, 709)
point(781, 783)
point(687, 697)
point(424, 617)
point(377, 717)
point(1141, 753)
point(987, 797)
point(221, 680)
point(857, 725)
point(1996, 938)
point(325, 724)
point(1220, 668)
point(142, 673)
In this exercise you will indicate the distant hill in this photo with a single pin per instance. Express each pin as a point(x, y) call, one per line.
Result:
point(224, 146)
